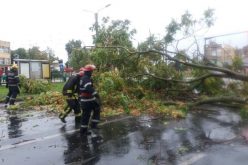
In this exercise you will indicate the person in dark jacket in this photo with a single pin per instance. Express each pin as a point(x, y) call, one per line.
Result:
point(70, 91)
point(90, 101)
point(12, 82)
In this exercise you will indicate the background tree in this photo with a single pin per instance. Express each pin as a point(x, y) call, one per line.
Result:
point(50, 54)
point(79, 58)
point(237, 63)
point(71, 45)
point(111, 34)
point(20, 53)
point(185, 32)
point(34, 53)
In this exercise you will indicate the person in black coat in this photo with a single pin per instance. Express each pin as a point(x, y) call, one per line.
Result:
point(90, 101)
point(70, 91)
point(12, 82)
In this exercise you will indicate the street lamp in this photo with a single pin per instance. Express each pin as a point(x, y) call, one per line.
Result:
point(96, 17)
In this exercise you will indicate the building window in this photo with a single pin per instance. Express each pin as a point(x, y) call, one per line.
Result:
point(219, 52)
point(4, 50)
point(7, 61)
point(214, 53)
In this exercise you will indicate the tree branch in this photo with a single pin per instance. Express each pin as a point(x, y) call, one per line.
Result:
point(221, 99)
point(229, 73)
point(220, 75)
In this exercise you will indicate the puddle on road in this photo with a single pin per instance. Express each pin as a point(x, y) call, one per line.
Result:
point(16, 124)
point(149, 141)
point(144, 140)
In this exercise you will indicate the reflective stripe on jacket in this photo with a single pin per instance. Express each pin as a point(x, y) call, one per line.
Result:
point(12, 78)
point(87, 91)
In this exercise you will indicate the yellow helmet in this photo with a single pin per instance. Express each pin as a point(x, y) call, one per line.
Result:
point(14, 66)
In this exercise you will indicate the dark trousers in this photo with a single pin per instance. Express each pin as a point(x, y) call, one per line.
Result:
point(72, 104)
point(87, 108)
point(12, 94)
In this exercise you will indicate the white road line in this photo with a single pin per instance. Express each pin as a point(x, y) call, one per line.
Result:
point(5, 147)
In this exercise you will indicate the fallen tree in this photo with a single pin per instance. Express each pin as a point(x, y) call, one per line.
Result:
point(161, 67)
point(236, 99)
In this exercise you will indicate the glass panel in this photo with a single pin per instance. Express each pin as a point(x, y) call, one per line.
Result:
point(45, 70)
point(35, 71)
point(24, 69)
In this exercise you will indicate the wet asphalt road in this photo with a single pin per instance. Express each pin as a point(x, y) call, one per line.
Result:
point(212, 137)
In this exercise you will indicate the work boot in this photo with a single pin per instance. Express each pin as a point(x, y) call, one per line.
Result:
point(62, 118)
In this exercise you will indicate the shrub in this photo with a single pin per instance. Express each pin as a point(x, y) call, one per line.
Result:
point(31, 86)
point(110, 81)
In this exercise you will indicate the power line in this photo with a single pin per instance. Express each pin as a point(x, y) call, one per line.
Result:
point(228, 34)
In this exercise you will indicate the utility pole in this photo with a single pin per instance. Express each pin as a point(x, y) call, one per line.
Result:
point(96, 17)
point(96, 24)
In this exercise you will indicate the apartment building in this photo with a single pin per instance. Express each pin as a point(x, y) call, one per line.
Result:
point(213, 52)
point(219, 54)
point(5, 60)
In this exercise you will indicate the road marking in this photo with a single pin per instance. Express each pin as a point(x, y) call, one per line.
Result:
point(25, 142)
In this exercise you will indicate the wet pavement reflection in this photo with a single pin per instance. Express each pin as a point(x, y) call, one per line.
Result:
point(14, 125)
point(203, 137)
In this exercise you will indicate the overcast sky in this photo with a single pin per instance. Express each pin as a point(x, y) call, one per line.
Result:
point(52, 23)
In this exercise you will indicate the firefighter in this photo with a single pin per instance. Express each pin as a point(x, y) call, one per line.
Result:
point(70, 91)
point(90, 101)
point(13, 83)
